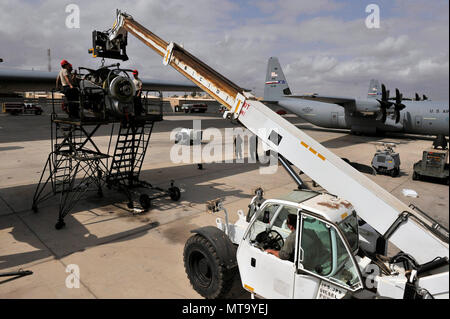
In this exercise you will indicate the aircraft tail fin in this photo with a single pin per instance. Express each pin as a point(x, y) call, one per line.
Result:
point(374, 90)
point(276, 85)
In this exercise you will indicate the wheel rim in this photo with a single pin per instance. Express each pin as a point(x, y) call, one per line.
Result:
point(201, 269)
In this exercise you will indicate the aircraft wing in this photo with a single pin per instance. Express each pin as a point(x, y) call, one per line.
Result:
point(343, 101)
point(179, 86)
point(23, 81)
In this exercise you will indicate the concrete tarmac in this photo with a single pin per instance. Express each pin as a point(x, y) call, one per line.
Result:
point(121, 254)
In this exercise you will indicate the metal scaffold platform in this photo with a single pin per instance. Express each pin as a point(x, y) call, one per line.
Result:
point(76, 165)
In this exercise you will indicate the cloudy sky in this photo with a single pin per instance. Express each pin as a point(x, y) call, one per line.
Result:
point(324, 46)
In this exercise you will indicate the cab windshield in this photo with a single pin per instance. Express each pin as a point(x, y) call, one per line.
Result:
point(349, 227)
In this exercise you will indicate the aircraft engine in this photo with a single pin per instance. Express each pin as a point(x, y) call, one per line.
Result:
point(122, 89)
point(119, 99)
point(110, 92)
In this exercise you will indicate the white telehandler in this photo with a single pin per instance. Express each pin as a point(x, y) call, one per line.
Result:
point(340, 245)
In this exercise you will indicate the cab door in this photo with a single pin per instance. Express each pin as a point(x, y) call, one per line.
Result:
point(325, 266)
point(262, 273)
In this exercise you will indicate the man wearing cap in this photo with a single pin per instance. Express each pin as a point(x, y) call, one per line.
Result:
point(137, 99)
point(65, 80)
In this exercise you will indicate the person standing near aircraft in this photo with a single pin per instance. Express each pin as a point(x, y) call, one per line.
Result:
point(238, 146)
point(65, 81)
point(253, 148)
point(72, 75)
point(137, 99)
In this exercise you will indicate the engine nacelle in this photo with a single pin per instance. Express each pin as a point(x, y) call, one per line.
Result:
point(367, 106)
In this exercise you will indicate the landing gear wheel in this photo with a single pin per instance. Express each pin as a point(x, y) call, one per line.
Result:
point(145, 201)
point(204, 269)
point(174, 193)
point(130, 205)
point(60, 224)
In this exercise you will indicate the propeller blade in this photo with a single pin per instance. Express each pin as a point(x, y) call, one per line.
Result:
point(398, 96)
point(384, 103)
point(383, 92)
point(397, 115)
point(398, 105)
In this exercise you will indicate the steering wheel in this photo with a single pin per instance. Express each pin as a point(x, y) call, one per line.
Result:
point(270, 240)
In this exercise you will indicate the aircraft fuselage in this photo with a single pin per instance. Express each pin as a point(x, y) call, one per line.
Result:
point(418, 117)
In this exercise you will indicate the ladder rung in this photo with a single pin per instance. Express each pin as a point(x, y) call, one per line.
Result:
point(122, 166)
point(123, 154)
point(128, 140)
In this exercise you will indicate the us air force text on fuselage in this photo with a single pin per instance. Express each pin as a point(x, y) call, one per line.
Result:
point(243, 309)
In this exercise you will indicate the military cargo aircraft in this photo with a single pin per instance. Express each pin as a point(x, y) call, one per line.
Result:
point(377, 113)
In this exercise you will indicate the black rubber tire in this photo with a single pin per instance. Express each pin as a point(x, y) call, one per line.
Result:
point(60, 224)
point(204, 269)
point(174, 193)
point(415, 176)
point(145, 201)
point(34, 208)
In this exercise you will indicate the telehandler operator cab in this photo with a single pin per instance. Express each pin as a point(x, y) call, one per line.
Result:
point(326, 239)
